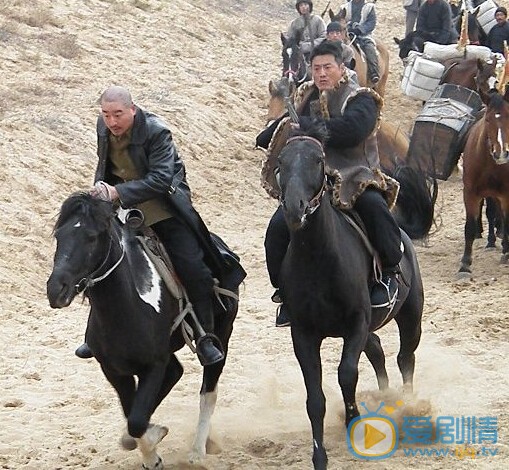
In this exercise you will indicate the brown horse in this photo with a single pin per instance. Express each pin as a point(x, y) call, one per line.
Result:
point(361, 66)
point(475, 74)
point(486, 172)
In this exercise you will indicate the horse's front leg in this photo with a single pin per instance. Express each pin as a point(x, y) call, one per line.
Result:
point(471, 206)
point(505, 234)
point(307, 350)
point(348, 370)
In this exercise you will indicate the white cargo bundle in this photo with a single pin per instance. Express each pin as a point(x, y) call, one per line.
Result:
point(486, 15)
point(421, 76)
point(443, 52)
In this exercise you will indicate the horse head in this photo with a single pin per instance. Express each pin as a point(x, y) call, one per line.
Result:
point(294, 63)
point(84, 243)
point(476, 34)
point(413, 41)
point(496, 125)
point(279, 91)
point(340, 16)
point(302, 174)
point(485, 78)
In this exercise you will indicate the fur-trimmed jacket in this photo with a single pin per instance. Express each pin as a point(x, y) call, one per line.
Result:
point(351, 117)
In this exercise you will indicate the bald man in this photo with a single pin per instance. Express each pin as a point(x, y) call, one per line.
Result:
point(139, 166)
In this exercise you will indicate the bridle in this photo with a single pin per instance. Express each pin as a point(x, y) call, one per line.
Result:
point(315, 201)
point(93, 278)
point(293, 75)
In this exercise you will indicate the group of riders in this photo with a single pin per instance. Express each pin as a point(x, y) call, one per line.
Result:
point(139, 166)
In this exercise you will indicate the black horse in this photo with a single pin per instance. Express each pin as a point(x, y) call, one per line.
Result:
point(294, 62)
point(325, 280)
point(131, 319)
point(476, 34)
point(413, 41)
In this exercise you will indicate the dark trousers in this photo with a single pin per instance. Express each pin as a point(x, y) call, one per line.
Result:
point(382, 230)
point(187, 257)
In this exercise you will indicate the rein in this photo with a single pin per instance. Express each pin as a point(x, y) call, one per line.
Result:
point(90, 280)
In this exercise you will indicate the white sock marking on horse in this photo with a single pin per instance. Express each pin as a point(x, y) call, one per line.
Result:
point(148, 443)
point(207, 406)
point(153, 296)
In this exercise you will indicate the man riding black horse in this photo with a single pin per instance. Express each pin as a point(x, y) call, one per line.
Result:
point(139, 166)
point(354, 114)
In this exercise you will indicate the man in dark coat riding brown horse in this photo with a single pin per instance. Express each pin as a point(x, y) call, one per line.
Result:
point(351, 115)
point(139, 166)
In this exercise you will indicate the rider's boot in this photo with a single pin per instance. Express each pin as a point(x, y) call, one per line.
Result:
point(84, 352)
point(208, 346)
point(282, 318)
point(385, 292)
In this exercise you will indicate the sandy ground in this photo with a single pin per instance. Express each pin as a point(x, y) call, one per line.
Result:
point(204, 66)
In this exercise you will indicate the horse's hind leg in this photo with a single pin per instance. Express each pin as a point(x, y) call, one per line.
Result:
point(307, 352)
point(409, 324)
point(472, 214)
point(376, 356)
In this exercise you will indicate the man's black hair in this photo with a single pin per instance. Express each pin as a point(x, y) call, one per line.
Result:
point(328, 47)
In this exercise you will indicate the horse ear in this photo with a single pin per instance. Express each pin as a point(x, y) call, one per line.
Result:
point(272, 88)
point(283, 39)
point(480, 64)
point(342, 14)
point(331, 14)
point(475, 11)
point(396, 40)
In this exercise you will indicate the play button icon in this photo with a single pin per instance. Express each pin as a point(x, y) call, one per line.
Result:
point(372, 436)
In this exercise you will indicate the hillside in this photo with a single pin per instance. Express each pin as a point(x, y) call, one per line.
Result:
point(204, 66)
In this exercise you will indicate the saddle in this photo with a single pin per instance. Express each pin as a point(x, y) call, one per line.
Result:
point(156, 252)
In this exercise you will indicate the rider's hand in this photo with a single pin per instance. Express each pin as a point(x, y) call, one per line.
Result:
point(104, 191)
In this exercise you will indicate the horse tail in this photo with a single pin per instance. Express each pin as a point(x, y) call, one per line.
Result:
point(415, 206)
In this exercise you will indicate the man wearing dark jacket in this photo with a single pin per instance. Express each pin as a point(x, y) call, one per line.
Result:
point(139, 166)
point(435, 18)
point(499, 32)
point(352, 119)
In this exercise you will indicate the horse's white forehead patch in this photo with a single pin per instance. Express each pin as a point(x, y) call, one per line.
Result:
point(77, 224)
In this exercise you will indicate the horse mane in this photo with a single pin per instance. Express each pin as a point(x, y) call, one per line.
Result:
point(496, 101)
point(91, 207)
point(316, 129)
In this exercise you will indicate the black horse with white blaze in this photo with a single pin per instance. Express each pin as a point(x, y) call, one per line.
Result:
point(131, 319)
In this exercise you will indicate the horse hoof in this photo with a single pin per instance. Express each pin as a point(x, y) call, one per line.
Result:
point(463, 276)
point(128, 442)
point(159, 465)
point(195, 456)
point(504, 259)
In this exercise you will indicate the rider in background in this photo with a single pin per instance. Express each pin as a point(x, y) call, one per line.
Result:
point(500, 32)
point(361, 21)
point(308, 27)
point(435, 19)
point(336, 32)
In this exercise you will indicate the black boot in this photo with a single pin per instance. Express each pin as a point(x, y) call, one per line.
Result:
point(208, 352)
point(84, 352)
point(282, 318)
point(385, 293)
point(208, 346)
